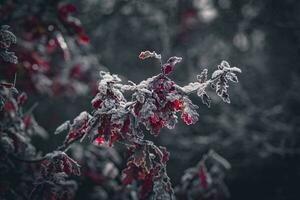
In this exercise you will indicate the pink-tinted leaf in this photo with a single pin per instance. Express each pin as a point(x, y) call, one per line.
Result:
point(203, 177)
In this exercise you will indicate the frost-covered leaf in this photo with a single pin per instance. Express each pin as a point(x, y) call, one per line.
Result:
point(190, 87)
point(59, 161)
point(64, 126)
point(9, 57)
point(225, 64)
point(235, 69)
point(232, 77)
point(147, 108)
point(189, 113)
point(216, 74)
point(169, 66)
point(6, 37)
point(147, 54)
point(221, 89)
point(203, 76)
point(206, 99)
point(96, 102)
point(225, 97)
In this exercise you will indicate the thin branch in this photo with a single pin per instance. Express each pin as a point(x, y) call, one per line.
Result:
point(38, 160)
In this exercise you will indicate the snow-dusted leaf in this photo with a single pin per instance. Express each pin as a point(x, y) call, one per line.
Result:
point(64, 126)
point(206, 99)
point(189, 114)
point(216, 74)
point(225, 97)
point(225, 64)
point(221, 86)
point(191, 87)
point(147, 54)
point(203, 76)
point(232, 77)
point(6, 37)
point(235, 69)
point(9, 57)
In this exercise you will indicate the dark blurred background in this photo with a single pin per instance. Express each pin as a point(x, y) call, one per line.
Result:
point(258, 133)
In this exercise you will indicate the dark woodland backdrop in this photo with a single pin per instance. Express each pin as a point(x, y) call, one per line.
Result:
point(258, 133)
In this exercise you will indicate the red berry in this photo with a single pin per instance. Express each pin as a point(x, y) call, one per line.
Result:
point(84, 38)
point(99, 140)
point(187, 119)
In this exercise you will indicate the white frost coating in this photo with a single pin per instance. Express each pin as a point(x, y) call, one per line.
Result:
point(191, 87)
point(146, 82)
point(194, 86)
point(125, 87)
point(144, 90)
point(235, 69)
point(81, 118)
point(226, 67)
point(225, 64)
point(148, 54)
point(200, 92)
point(232, 77)
point(108, 104)
point(107, 77)
point(61, 41)
point(172, 97)
point(140, 97)
point(147, 108)
point(64, 126)
point(118, 94)
point(217, 73)
point(102, 88)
